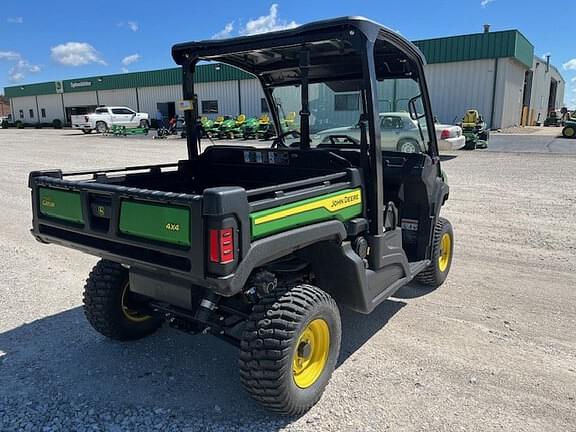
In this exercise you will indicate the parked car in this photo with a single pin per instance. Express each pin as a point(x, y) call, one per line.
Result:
point(398, 131)
point(450, 137)
point(104, 118)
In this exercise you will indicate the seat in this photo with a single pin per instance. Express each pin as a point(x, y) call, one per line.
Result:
point(264, 119)
point(471, 118)
point(240, 119)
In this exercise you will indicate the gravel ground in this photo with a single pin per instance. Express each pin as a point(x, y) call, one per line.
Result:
point(493, 349)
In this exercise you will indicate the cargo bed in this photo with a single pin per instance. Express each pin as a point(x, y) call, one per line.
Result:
point(158, 216)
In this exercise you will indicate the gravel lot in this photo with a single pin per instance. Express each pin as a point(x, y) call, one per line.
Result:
point(493, 349)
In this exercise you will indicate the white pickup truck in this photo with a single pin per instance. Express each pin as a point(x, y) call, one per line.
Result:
point(104, 118)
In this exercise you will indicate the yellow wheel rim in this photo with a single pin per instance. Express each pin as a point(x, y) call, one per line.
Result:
point(445, 252)
point(569, 131)
point(131, 314)
point(311, 353)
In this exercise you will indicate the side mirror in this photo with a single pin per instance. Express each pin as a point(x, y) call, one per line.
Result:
point(416, 108)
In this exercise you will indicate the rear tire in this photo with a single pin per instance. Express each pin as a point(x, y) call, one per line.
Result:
point(87, 131)
point(144, 124)
point(289, 348)
point(108, 304)
point(442, 251)
point(101, 127)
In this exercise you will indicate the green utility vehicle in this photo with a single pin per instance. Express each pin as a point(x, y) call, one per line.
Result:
point(260, 246)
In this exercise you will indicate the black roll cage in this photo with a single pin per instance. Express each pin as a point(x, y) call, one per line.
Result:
point(294, 56)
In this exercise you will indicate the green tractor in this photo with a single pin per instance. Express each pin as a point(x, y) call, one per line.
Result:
point(207, 125)
point(265, 128)
point(569, 130)
point(232, 127)
point(475, 130)
point(213, 129)
point(249, 128)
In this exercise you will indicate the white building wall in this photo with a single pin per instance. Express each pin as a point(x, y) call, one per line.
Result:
point(459, 86)
point(25, 104)
point(52, 104)
point(122, 97)
point(225, 92)
point(80, 99)
point(252, 94)
point(150, 96)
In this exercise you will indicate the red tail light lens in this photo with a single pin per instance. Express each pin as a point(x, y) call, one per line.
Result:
point(445, 134)
point(221, 245)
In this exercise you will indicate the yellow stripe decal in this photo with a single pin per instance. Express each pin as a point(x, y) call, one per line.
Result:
point(332, 204)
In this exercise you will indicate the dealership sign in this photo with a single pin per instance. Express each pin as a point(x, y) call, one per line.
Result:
point(81, 84)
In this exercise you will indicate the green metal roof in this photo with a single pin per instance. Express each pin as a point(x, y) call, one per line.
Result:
point(173, 76)
point(509, 43)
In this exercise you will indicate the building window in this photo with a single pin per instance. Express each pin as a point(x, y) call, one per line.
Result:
point(264, 105)
point(209, 107)
point(31, 112)
point(43, 112)
point(346, 102)
point(21, 114)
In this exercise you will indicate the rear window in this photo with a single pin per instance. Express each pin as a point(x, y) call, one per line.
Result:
point(101, 111)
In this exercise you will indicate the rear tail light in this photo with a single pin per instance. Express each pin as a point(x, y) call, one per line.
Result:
point(86, 119)
point(445, 134)
point(221, 245)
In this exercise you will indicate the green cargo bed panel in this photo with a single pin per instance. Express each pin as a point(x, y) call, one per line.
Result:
point(61, 204)
point(342, 205)
point(163, 223)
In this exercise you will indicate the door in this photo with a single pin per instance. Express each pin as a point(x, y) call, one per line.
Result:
point(123, 117)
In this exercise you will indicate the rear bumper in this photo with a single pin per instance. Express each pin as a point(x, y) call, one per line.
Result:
point(81, 126)
point(452, 143)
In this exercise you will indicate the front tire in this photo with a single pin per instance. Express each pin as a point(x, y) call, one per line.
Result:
point(289, 348)
point(111, 308)
point(442, 251)
point(408, 146)
point(101, 127)
point(569, 132)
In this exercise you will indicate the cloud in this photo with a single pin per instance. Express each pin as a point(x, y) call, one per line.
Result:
point(225, 32)
point(267, 23)
point(15, 20)
point(485, 3)
point(124, 70)
point(76, 54)
point(132, 25)
point(20, 67)
point(570, 64)
point(130, 59)
point(573, 79)
point(10, 55)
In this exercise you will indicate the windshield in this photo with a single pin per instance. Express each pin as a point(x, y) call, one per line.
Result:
point(336, 108)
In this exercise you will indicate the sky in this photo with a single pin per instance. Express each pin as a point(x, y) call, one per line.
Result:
point(74, 39)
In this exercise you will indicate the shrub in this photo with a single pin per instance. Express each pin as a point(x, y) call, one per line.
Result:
point(38, 126)
point(5, 124)
point(57, 124)
point(19, 124)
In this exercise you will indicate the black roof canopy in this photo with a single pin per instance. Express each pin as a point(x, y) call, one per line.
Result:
point(335, 48)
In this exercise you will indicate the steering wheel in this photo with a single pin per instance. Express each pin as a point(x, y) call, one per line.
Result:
point(279, 140)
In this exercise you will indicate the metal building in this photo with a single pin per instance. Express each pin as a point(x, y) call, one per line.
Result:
point(493, 72)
